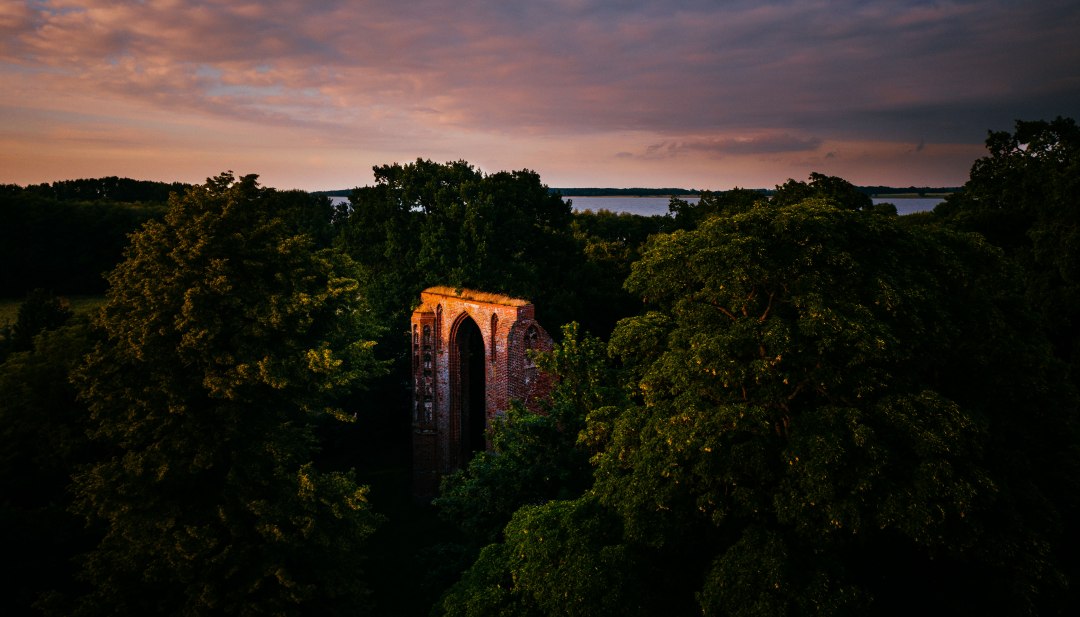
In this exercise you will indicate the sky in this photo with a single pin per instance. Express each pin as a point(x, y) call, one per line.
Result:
point(611, 93)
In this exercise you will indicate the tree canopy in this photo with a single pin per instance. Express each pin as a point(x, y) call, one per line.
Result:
point(1024, 197)
point(535, 457)
point(827, 419)
point(228, 330)
point(427, 223)
point(808, 405)
point(64, 246)
point(42, 440)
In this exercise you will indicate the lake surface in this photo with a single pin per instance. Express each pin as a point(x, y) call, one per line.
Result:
point(648, 206)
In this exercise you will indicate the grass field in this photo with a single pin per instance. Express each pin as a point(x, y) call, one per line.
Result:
point(9, 307)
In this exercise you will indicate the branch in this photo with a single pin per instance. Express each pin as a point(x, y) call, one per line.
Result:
point(768, 308)
point(746, 302)
point(723, 310)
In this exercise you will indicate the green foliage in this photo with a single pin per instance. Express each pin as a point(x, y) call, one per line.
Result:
point(229, 330)
point(534, 474)
point(560, 558)
point(40, 310)
point(535, 457)
point(838, 191)
point(487, 589)
point(42, 439)
point(107, 189)
point(609, 243)
point(755, 576)
point(689, 216)
point(630, 192)
point(1025, 198)
point(568, 559)
point(835, 413)
point(425, 224)
point(832, 410)
point(65, 246)
point(827, 375)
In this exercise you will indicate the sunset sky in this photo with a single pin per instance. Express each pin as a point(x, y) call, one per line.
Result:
point(697, 94)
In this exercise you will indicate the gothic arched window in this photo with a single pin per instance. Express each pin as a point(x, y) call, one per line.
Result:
point(532, 343)
point(438, 326)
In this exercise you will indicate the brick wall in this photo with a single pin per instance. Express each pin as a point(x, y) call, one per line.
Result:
point(509, 329)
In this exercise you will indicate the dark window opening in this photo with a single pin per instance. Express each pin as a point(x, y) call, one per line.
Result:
point(471, 389)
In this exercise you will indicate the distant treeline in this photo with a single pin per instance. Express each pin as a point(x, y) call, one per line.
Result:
point(577, 192)
point(337, 193)
point(920, 191)
point(111, 188)
point(914, 191)
point(631, 192)
point(65, 235)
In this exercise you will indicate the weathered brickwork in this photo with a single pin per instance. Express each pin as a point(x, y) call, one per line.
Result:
point(470, 359)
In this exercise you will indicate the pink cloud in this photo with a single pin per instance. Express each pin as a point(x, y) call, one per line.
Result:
point(741, 80)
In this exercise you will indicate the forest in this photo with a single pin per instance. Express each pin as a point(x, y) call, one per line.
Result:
point(793, 402)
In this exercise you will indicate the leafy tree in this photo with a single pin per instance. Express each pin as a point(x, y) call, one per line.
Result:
point(560, 558)
point(689, 216)
point(65, 246)
point(840, 192)
point(228, 330)
point(42, 440)
point(836, 413)
point(1025, 198)
point(608, 243)
point(535, 457)
point(426, 224)
point(41, 310)
point(820, 384)
point(108, 189)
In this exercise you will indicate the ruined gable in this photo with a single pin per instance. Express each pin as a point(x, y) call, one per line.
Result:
point(470, 359)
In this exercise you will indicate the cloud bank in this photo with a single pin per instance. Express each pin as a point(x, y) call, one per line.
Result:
point(609, 92)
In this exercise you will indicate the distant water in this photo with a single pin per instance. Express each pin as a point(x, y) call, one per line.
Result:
point(648, 206)
point(911, 204)
point(645, 206)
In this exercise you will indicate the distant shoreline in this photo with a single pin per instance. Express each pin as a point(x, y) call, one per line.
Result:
point(680, 196)
point(911, 195)
point(698, 196)
point(876, 192)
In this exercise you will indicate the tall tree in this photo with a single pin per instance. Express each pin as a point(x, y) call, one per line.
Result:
point(65, 246)
point(426, 223)
point(835, 412)
point(688, 215)
point(838, 191)
point(42, 441)
point(535, 456)
point(609, 242)
point(1024, 196)
point(228, 330)
point(827, 400)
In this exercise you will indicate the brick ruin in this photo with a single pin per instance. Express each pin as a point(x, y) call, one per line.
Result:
point(469, 360)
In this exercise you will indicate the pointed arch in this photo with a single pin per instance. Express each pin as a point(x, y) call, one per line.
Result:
point(468, 388)
point(469, 364)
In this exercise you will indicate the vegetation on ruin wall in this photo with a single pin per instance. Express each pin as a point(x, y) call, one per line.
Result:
point(797, 403)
